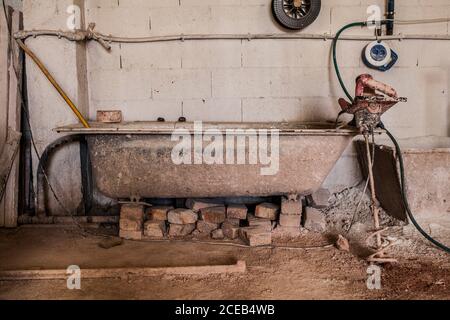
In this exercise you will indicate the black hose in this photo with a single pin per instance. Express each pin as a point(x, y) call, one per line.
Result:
point(394, 141)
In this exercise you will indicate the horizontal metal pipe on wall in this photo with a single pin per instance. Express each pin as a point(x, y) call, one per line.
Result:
point(83, 35)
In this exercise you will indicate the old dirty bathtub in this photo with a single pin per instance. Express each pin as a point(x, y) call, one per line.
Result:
point(136, 160)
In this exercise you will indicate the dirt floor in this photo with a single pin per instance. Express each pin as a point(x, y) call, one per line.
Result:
point(272, 273)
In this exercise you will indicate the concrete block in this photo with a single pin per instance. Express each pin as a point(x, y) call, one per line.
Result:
point(428, 56)
point(181, 230)
point(237, 211)
point(115, 84)
point(267, 53)
point(181, 83)
point(268, 211)
point(228, 20)
point(218, 234)
point(163, 55)
point(138, 22)
point(319, 199)
point(159, 213)
point(142, 109)
point(256, 236)
point(183, 20)
point(182, 216)
point(284, 82)
point(130, 225)
point(292, 53)
point(317, 109)
point(131, 217)
point(270, 82)
point(213, 110)
point(48, 16)
point(230, 230)
point(211, 54)
point(315, 220)
point(206, 227)
point(110, 60)
point(155, 229)
point(290, 220)
point(269, 109)
point(214, 215)
point(241, 83)
point(291, 206)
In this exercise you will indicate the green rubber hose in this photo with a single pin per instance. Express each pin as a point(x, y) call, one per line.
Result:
point(336, 66)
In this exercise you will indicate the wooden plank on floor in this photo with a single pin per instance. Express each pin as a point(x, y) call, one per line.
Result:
point(15, 66)
point(110, 273)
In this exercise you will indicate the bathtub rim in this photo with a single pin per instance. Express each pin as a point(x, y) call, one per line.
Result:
point(168, 128)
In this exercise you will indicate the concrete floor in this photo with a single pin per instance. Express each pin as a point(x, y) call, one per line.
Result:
point(272, 273)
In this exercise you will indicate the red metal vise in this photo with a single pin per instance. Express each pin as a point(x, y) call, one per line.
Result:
point(369, 105)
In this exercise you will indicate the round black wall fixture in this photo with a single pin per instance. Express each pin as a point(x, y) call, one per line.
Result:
point(296, 14)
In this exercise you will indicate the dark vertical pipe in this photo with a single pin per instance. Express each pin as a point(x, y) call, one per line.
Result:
point(390, 16)
point(86, 176)
point(26, 190)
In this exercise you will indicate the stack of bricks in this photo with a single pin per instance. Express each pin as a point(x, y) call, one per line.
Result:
point(131, 221)
point(235, 215)
point(211, 221)
point(218, 221)
point(259, 231)
point(156, 225)
point(182, 222)
point(204, 219)
point(291, 213)
point(314, 217)
point(210, 217)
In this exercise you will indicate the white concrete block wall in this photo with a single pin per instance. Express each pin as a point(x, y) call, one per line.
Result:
point(234, 80)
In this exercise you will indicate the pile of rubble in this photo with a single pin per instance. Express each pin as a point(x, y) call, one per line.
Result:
point(203, 219)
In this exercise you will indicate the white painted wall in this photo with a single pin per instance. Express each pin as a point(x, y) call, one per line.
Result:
point(229, 80)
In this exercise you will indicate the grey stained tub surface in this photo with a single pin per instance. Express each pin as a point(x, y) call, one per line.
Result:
point(136, 159)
